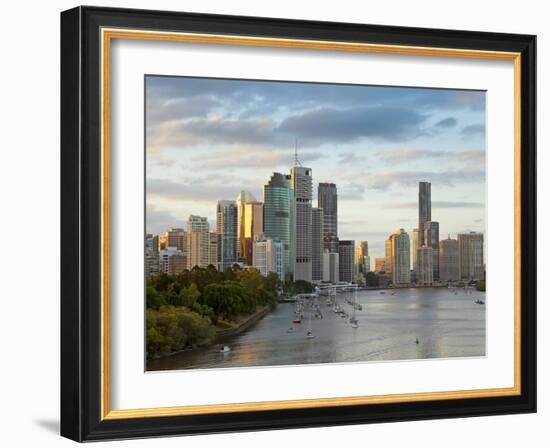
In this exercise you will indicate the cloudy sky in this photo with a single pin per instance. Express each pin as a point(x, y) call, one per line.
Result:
point(208, 139)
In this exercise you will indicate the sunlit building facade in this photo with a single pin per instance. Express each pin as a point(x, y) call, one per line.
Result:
point(252, 227)
point(244, 197)
point(198, 242)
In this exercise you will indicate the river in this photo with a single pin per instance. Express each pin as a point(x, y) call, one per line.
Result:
point(399, 324)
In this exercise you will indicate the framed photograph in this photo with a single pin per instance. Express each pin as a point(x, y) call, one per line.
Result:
point(273, 223)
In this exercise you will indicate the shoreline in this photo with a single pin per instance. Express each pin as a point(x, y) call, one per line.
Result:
point(243, 326)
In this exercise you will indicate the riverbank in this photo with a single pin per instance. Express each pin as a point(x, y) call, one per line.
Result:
point(232, 330)
point(245, 324)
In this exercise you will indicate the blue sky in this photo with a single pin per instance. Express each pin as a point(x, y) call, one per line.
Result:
point(208, 139)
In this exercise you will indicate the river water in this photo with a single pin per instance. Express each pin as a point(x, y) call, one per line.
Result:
point(390, 323)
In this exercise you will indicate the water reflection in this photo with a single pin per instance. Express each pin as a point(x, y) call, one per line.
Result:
point(445, 325)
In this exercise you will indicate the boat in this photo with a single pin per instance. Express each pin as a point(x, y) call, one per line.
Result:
point(479, 302)
point(309, 330)
point(382, 292)
point(353, 320)
point(290, 330)
point(297, 320)
point(225, 349)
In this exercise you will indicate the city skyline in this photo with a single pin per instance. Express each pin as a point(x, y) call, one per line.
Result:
point(425, 135)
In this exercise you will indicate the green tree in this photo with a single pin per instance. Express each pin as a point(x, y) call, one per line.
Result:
point(371, 279)
point(480, 285)
point(303, 287)
point(154, 299)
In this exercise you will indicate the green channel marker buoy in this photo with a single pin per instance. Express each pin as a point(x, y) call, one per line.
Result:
point(417, 341)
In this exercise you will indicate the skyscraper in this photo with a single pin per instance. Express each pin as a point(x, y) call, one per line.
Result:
point(425, 266)
point(213, 252)
point(415, 250)
point(226, 228)
point(269, 256)
point(424, 208)
point(151, 255)
point(327, 199)
point(198, 242)
point(317, 244)
point(302, 187)
point(176, 238)
point(242, 198)
point(380, 264)
point(252, 226)
point(400, 257)
point(278, 215)
point(331, 266)
point(470, 255)
point(346, 252)
point(431, 239)
point(362, 259)
point(389, 255)
point(448, 260)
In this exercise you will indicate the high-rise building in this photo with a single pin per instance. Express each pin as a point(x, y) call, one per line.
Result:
point(431, 239)
point(424, 275)
point(152, 242)
point(244, 197)
point(470, 255)
point(176, 238)
point(278, 215)
point(362, 259)
point(213, 253)
point(172, 261)
point(226, 228)
point(302, 187)
point(331, 266)
point(163, 241)
point(151, 255)
point(252, 226)
point(415, 250)
point(400, 257)
point(346, 252)
point(269, 256)
point(317, 244)
point(380, 264)
point(327, 199)
point(367, 263)
point(448, 260)
point(198, 242)
point(424, 208)
point(389, 255)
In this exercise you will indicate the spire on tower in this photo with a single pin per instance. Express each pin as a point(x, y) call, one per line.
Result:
point(296, 161)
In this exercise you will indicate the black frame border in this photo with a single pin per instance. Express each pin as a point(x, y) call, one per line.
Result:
point(81, 223)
